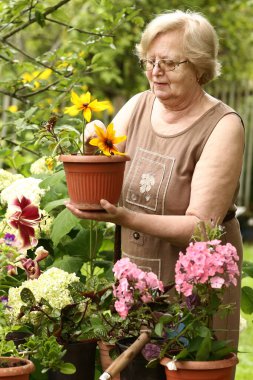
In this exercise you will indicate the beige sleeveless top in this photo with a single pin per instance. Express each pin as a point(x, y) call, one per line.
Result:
point(158, 181)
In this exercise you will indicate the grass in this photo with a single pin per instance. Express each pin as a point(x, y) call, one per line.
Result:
point(244, 368)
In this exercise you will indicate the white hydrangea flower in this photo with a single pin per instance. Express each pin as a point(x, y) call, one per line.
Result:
point(44, 165)
point(7, 178)
point(52, 285)
point(28, 187)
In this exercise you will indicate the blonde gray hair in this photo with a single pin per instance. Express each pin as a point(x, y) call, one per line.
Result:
point(200, 41)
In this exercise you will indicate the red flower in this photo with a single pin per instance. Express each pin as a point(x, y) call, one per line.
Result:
point(24, 219)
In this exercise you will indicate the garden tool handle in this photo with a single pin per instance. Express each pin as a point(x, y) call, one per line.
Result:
point(127, 356)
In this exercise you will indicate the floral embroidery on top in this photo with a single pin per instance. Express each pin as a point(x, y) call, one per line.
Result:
point(146, 182)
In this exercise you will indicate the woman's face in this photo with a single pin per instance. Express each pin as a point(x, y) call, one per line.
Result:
point(172, 87)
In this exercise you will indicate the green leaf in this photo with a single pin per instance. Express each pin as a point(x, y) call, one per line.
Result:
point(182, 354)
point(159, 329)
point(30, 112)
point(40, 18)
point(204, 331)
point(204, 349)
point(69, 263)
point(63, 224)
point(247, 268)
point(247, 300)
point(27, 296)
point(68, 368)
point(53, 179)
point(54, 204)
point(80, 245)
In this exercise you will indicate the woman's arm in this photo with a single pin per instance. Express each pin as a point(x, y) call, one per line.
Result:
point(213, 185)
point(217, 172)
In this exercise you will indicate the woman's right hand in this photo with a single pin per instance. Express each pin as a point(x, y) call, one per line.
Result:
point(90, 133)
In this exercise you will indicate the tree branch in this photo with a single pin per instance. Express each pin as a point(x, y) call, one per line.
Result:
point(30, 57)
point(6, 59)
point(22, 147)
point(77, 29)
point(13, 95)
point(33, 19)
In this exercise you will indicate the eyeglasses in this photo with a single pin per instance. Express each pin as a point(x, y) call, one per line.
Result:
point(163, 64)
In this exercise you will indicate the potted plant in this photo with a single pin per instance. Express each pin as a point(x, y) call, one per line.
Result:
point(202, 274)
point(131, 305)
point(59, 312)
point(188, 345)
point(25, 225)
point(11, 364)
point(91, 174)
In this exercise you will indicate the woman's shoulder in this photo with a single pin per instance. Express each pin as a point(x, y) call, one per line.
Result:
point(141, 96)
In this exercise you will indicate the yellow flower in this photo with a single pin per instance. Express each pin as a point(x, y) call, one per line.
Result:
point(45, 74)
point(13, 108)
point(35, 76)
point(106, 140)
point(83, 103)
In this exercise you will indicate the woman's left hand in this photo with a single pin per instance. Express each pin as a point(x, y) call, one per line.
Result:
point(113, 214)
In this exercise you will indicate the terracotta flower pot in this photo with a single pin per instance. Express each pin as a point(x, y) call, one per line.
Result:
point(202, 370)
point(105, 359)
point(18, 372)
point(92, 178)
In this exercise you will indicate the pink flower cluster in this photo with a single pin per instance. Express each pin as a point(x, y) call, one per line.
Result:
point(133, 285)
point(206, 263)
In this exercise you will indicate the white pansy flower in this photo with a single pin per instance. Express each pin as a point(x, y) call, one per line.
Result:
point(28, 187)
point(146, 182)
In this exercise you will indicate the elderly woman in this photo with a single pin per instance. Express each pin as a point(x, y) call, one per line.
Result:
point(186, 149)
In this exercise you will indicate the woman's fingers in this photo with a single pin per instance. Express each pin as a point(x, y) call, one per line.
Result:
point(90, 132)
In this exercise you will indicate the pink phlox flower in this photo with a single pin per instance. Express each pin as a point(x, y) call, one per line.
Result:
point(141, 285)
point(146, 297)
point(24, 219)
point(121, 308)
point(217, 282)
point(134, 273)
point(153, 282)
point(125, 268)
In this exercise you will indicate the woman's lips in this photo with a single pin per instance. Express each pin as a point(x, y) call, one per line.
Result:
point(160, 83)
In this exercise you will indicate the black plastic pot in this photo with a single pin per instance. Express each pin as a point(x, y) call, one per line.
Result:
point(137, 370)
point(82, 355)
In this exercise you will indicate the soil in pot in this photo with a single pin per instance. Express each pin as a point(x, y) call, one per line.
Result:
point(15, 368)
point(137, 370)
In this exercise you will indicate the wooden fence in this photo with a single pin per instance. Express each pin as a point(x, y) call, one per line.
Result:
point(240, 97)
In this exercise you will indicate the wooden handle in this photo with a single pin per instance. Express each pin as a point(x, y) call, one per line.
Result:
point(127, 356)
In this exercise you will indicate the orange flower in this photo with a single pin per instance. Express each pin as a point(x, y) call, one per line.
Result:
point(106, 140)
point(83, 103)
